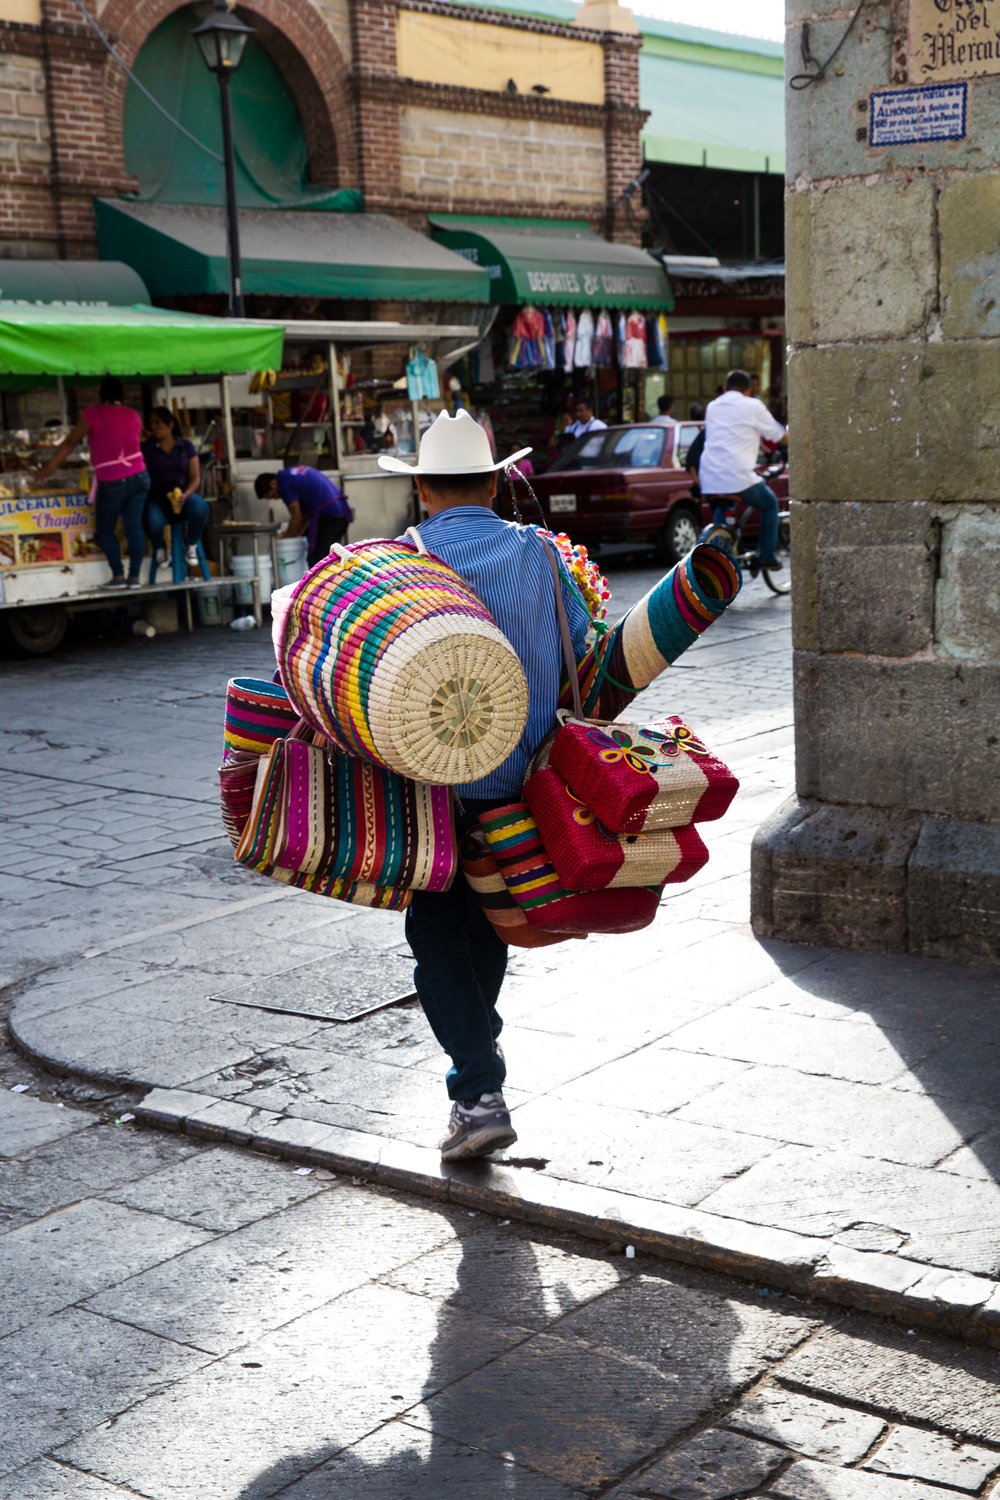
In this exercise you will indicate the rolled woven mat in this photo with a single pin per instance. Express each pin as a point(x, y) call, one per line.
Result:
point(390, 654)
point(656, 631)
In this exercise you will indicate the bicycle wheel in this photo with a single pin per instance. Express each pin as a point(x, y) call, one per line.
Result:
point(781, 582)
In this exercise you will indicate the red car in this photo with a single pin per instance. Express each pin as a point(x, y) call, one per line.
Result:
point(629, 484)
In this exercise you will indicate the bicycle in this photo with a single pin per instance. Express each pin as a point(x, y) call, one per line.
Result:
point(727, 535)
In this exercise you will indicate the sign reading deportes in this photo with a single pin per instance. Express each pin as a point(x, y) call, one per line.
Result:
point(38, 530)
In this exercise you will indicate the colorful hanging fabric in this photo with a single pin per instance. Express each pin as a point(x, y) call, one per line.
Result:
point(656, 342)
point(526, 350)
point(635, 342)
point(548, 341)
point(604, 342)
point(583, 354)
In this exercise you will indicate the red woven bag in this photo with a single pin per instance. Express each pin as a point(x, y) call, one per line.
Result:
point(587, 856)
point(639, 777)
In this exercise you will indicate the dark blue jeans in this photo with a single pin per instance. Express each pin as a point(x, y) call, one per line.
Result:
point(123, 499)
point(760, 497)
point(194, 516)
point(461, 965)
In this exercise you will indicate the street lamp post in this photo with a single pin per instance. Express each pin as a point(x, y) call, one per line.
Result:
point(221, 41)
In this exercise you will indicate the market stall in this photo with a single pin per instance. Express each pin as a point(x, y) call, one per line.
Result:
point(348, 390)
point(49, 560)
point(578, 316)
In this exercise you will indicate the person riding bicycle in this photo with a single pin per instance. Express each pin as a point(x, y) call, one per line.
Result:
point(735, 423)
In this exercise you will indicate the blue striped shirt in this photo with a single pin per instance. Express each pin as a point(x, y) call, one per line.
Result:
point(506, 565)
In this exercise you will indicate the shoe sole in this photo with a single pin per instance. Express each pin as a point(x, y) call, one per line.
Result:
point(480, 1143)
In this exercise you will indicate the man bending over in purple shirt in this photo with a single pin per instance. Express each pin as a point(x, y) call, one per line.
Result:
point(316, 506)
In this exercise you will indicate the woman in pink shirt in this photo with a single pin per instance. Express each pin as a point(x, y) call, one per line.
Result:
point(122, 481)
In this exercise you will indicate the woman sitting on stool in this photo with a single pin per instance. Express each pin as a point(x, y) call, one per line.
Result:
point(173, 465)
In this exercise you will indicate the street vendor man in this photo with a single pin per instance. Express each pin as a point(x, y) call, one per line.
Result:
point(316, 506)
point(460, 960)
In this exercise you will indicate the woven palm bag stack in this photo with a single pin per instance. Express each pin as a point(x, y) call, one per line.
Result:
point(387, 652)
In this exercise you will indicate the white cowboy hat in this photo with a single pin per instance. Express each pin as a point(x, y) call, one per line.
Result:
point(452, 445)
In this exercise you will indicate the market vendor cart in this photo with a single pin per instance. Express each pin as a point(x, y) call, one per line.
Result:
point(50, 563)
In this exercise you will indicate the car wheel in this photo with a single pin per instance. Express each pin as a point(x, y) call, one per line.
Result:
point(678, 536)
point(36, 631)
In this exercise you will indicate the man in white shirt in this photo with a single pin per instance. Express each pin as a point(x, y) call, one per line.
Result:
point(735, 422)
point(585, 420)
point(666, 417)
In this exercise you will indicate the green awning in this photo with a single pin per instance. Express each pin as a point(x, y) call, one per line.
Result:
point(180, 251)
point(555, 262)
point(131, 341)
point(94, 283)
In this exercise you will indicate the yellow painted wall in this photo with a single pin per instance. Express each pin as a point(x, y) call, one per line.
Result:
point(481, 55)
point(29, 11)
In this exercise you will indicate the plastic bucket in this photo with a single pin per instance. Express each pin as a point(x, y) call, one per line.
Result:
point(243, 567)
point(292, 553)
point(209, 606)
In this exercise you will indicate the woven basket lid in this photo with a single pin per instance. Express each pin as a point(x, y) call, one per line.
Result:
point(389, 653)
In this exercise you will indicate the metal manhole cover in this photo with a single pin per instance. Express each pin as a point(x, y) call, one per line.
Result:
point(343, 987)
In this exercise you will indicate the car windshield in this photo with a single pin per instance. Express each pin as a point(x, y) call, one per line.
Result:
point(615, 448)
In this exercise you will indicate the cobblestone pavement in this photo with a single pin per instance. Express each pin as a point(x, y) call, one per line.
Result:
point(827, 1120)
point(183, 1320)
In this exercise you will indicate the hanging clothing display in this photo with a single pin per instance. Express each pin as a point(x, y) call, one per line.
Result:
point(656, 342)
point(527, 350)
point(604, 342)
point(620, 339)
point(548, 341)
point(583, 355)
point(422, 382)
point(569, 339)
point(634, 346)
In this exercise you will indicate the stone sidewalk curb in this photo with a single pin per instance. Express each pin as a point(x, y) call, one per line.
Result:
point(906, 1291)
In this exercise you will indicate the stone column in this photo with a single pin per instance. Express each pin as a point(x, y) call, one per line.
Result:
point(893, 302)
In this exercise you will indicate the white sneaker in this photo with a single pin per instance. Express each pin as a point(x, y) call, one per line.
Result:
point(162, 557)
point(191, 553)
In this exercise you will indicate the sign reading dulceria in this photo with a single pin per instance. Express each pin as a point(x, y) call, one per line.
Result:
point(953, 39)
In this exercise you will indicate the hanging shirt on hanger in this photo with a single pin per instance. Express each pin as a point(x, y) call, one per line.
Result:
point(569, 339)
point(422, 382)
point(635, 342)
point(583, 354)
point(548, 341)
point(604, 342)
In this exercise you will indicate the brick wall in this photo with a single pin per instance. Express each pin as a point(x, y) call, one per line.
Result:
point(455, 160)
point(412, 147)
point(624, 217)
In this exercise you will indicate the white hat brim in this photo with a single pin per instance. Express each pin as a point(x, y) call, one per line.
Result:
point(397, 466)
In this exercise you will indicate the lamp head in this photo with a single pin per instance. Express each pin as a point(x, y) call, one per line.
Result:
point(222, 39)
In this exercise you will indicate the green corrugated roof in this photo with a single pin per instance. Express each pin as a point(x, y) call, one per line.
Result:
point(702, 116)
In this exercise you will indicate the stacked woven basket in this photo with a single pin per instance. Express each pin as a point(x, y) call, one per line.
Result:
point(387, 652)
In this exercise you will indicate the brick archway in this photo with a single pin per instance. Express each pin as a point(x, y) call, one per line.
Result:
point(301, 44)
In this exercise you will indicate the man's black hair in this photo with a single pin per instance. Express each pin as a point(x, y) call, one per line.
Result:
point(262, 486)
point(472, 487)
point(111, 389)
point(738, 380)
point(665, 403)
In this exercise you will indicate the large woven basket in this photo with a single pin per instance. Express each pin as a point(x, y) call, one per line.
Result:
point(390, 654)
